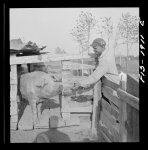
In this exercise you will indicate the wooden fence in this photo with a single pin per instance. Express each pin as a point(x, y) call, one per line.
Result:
point(115, 112)
point(118, 115)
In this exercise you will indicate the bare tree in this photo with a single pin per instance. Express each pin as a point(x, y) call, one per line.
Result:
point(81, 33)
point(107, 28)
point(129, 31)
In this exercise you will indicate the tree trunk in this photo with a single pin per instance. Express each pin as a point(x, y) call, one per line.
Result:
point(82, 61)
point(108, 43)
point(127, 60)
point(88, 38)
point(120, 61)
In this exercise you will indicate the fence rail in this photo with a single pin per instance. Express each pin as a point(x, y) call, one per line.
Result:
point(118, 108)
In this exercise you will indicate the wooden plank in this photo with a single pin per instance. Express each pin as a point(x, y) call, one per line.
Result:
point(111, 95)
point(13, 92)
point(105, 137)
point(122, 120)
point(106, 82)
point(13, 74)
point(81, 114)
point(64, 103)
point(13, 125)
point(128, 98)
point(132, 124)
point(132, 86)
point(111, 118)
point(43, 58)
point(13, 108)
point(110, 108)
point(87, 109)
point(112, 129)
point(14, 118)
point(75, 66)
point(105, 133)
point(96, 108)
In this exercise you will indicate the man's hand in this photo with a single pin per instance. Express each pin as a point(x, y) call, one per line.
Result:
point(79, 85)
point(76, 85)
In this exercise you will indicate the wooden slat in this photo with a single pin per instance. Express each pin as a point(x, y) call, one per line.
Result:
point(132, 86)
point(104, 136)
point(132, 124)
point(13, 125)
point(128, 98)
point(87, 109)
point(111, 95)
point(76, 66)
point(96, 108)
point(111, 118)
point(13, 74)
point(106, 82)
point(110, 109)
point(43, 58)
point(13, 92)
point(122, 120)
point(13, 108)
point(105, 133)
point(114, 129)
point(14, 118)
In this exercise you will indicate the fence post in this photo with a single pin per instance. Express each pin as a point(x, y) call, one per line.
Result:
point(122, 120)
point(13, 97)
point(96, 108)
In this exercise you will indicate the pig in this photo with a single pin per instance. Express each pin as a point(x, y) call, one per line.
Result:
point(36, 87)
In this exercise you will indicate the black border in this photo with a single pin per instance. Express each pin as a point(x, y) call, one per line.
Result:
point(6, 66)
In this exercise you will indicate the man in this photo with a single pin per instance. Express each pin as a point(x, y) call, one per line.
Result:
point(106, 66)
point(123, 77)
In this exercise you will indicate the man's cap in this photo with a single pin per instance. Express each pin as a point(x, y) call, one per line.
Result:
point(98, 42)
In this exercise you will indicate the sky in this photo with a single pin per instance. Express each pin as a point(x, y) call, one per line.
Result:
point(52, 26)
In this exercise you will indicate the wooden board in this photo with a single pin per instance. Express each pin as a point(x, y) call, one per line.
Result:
point(87, 109)
point(122, 120)
point(132, 124)
point(14, 118)
point(96, 107)
point(13, 125)
point(13, 108)
point(111, 95)
point(112, 110)
point(106, 136)
point(13, 74)
point(132, 86)
point(111, 118)
point(106, 82)
point(43, 58)
point(113, 130)
point(68, 65)
point(128, 98)
point(13, 92)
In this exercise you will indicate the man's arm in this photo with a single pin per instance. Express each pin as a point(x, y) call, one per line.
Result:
point(96, 75)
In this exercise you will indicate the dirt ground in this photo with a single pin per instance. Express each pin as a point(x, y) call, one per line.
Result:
point(66, 134)
point(79, 133)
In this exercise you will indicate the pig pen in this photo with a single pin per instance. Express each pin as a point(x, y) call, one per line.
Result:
point(51, 123)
